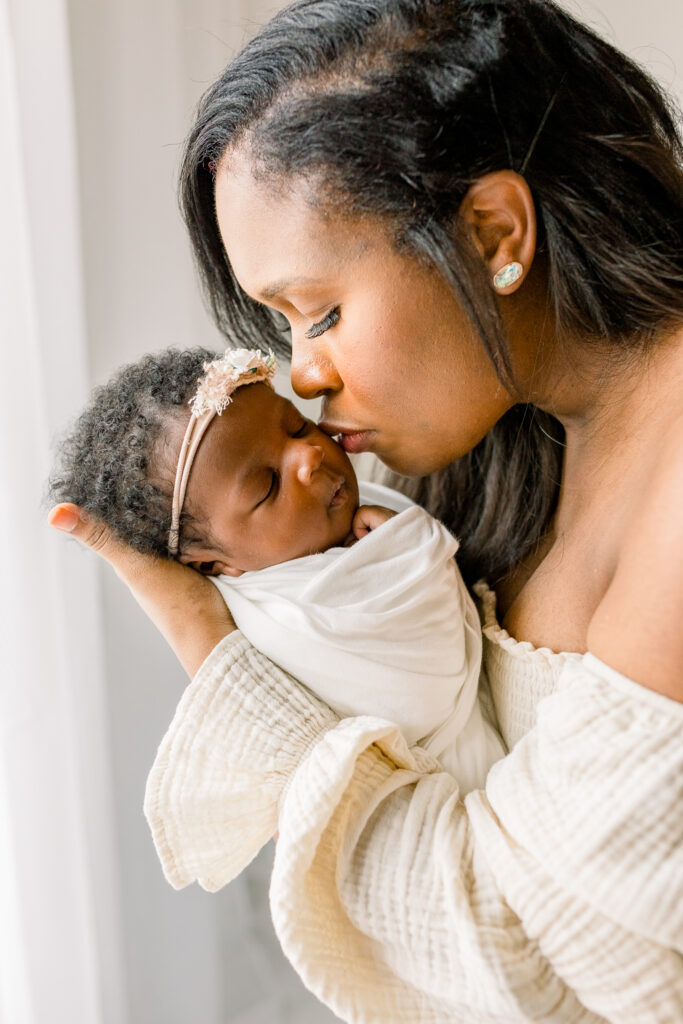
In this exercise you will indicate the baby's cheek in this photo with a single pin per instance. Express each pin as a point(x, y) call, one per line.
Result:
point(342, 525)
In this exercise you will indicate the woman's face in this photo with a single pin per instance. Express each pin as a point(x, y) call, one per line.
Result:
point(375, 333)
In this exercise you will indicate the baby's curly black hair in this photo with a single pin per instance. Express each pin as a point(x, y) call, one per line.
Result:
point(105, 463)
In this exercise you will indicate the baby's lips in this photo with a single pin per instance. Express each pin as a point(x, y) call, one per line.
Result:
point(338, 495)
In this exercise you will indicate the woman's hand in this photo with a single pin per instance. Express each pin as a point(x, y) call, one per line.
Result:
point(187, 609)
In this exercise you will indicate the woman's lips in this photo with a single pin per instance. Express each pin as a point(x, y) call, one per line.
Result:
point(358, 442)
point(351, 440)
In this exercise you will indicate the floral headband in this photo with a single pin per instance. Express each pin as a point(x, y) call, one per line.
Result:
point(236, 367)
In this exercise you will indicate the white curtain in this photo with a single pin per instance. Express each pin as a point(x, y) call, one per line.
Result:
point(60, 955)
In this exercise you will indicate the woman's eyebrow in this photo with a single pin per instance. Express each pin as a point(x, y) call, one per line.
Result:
point(269, 291)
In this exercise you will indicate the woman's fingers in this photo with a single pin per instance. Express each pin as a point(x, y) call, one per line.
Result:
point(128, 563)
point(64, 517)
point(71, 519)
point(184, 605)
point(88, 530)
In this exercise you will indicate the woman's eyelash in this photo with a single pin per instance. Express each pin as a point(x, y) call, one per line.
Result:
point(323, 325)
point(301, 430)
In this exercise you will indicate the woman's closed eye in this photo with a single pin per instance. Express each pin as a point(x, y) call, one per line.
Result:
point(323, 325)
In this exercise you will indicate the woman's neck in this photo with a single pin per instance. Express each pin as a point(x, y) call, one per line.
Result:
point(615, 414)
point(616, 422)
point(608, 397)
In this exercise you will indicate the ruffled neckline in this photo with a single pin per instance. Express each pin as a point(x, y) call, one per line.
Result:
point(499, 636)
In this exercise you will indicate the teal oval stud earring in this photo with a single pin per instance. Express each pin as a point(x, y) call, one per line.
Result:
point(507, 275)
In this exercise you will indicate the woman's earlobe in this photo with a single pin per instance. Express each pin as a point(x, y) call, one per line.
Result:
point(507, 275)
point(499, 214)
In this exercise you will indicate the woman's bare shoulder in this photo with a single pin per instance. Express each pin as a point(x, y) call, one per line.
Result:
point(637, 627)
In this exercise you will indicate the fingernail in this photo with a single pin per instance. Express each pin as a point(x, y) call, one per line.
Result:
point(63, 519)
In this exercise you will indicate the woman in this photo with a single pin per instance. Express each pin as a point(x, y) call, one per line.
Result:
point(469, 216)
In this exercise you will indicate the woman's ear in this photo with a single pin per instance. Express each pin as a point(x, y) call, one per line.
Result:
point(499, 214)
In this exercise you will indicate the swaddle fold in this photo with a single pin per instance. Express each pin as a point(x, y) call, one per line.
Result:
point(384, 628)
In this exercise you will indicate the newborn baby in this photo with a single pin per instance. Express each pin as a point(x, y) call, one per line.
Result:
point(365, 606)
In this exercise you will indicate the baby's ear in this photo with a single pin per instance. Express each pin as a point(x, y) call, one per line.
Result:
point(228, 570)
point(214, 568)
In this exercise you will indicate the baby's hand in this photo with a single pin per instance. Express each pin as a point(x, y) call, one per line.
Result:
point(367, 519)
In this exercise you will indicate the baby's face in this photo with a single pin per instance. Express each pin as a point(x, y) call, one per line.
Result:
point(267, 485)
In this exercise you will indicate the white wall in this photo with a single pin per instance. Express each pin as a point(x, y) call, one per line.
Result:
point(139, 67)
point(649, 32)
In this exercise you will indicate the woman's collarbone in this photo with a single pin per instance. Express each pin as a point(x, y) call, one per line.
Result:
point(550, 598)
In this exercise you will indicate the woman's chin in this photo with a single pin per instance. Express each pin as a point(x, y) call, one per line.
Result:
point(411, 465)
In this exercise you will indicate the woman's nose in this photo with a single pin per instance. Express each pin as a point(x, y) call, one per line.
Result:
point(309, 458)
point(313, 373)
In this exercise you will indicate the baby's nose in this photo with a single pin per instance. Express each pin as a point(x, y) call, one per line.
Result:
point(310, 459)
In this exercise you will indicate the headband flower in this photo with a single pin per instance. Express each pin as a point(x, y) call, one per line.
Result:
point(237, 366)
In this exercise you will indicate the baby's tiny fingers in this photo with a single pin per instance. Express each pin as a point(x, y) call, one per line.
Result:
point(361, 530)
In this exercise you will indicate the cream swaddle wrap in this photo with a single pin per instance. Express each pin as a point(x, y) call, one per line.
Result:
point(384, 628)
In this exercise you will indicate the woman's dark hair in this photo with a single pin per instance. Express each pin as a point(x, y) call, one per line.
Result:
point(394, 108)
point(109, 462)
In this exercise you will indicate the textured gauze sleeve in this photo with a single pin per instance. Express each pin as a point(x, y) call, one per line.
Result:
point(555, 895)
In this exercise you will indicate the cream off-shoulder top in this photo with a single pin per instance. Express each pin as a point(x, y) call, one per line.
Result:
point(554, 895)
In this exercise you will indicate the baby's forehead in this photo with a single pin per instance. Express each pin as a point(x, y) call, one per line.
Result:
point(257, 413)
point(267, 398)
